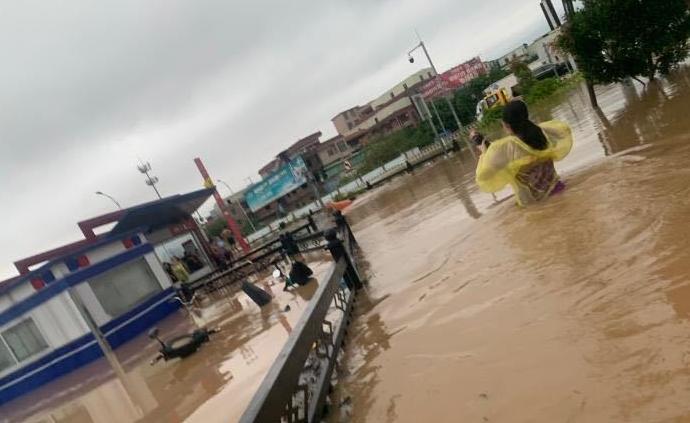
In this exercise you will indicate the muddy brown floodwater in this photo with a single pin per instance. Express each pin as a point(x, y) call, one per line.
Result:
point(575, 310)
point(214, 384)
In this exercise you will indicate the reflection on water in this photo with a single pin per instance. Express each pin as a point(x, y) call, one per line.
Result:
point(577, 309)
point(213, 385)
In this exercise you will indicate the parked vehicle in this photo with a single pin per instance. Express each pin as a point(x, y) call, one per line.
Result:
point(498, 94)
point(551, 70)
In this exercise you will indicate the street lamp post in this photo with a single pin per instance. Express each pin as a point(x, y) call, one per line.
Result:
point(244, 212)
point(151, 181)
point(111, 198)
point(438, 78)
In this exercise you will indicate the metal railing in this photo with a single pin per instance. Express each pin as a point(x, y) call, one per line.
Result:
point(296, 386)
point(257, 260)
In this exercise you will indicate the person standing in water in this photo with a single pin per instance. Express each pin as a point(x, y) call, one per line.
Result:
point(525, 158)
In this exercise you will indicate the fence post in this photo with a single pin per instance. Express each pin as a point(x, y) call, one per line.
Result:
point(312, 224)
point(342, 223)
point(337, 249)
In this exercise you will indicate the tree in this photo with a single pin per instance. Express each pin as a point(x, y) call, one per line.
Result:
point(524, 75)
point(616, 39)
point(384, 149)
point(214, 227)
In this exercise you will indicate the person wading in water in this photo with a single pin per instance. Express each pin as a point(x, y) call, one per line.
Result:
point(524, 159)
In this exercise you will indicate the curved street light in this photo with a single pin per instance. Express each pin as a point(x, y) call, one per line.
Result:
point(437, 77)
point(111, 198)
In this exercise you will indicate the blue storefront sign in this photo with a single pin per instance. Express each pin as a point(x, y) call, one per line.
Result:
point(286, 179)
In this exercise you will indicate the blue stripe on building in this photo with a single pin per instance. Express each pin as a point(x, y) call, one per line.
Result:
point(84, 350)
point(72, 279)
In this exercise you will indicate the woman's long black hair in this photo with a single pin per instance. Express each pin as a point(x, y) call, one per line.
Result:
point(516, 115)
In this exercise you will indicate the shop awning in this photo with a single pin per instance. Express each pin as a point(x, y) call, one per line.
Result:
point(162, 213)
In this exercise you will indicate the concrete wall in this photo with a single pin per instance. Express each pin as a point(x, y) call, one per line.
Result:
point(346, 121)
point(334, 150)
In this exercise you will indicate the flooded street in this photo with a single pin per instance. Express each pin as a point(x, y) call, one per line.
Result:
point(214, 384)
point(576, 310)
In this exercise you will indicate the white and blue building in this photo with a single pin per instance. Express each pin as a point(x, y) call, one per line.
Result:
point(119, 277)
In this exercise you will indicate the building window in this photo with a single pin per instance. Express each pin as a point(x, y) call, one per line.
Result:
point(429, 73)
point(6, 358)
point(331, 152)
point(124, 287)
point(342, 147)
point(24, 340)
point(404, 86)
point(349, 125)
point(185, 248)
point(392, 95)
point(421, 77)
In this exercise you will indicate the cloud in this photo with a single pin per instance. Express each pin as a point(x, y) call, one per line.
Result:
point(88, 88)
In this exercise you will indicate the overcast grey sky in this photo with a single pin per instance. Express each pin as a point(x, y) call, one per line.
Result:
point(88, 87)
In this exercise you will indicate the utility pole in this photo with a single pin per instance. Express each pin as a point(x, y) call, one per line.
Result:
point(234, 228)
point(96, 332)
point(244, 212)
point(440, 82)
point(423, 111)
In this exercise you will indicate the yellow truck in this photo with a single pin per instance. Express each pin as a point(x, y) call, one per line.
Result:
point(497, 94)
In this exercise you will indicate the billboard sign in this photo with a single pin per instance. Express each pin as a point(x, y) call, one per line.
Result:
point(454, 78)
point(284, 180)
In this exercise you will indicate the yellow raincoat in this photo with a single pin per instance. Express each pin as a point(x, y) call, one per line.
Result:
point(509, 161)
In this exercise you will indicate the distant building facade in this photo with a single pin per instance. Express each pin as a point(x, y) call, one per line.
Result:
point(308, 143)
point(237, 206)
point(545, 50)
point(362, 118)
point(521, 53)
point(453, 78)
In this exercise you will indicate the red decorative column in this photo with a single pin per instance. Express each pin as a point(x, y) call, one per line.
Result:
point(208, 182)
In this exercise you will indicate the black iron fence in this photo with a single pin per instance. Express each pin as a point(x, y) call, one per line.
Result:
point(299, 381)
point(257, 260)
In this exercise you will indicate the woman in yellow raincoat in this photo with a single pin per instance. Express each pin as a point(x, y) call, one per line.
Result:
point(524, 159)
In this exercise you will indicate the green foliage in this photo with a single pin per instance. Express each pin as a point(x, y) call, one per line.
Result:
point(543, 89)
point(524, 75)
point(387, 148)
point(466, 98)
point(540, 92)
point(491, 120)
point(246, 228)
point(615, 39)
point(215, 227)
point(465, 101)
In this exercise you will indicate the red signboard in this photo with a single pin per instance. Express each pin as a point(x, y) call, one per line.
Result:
point(454, 78)
point(182, 228)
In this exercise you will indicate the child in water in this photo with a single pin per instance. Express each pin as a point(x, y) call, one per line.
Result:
point(525, 158)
